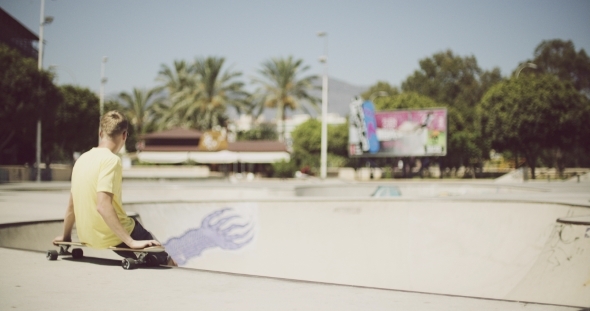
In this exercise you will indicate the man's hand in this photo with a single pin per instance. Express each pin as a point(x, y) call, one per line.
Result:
point(143, 244)
point(61, 239)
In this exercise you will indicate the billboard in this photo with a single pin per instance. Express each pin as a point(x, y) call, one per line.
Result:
point(398, 133)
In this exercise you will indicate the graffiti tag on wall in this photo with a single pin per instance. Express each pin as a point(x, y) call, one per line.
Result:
point(220, 229)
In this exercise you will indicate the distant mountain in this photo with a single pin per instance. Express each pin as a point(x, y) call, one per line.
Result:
point(340, 94)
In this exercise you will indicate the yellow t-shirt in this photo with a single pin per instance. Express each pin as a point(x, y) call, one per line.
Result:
point(98, 170)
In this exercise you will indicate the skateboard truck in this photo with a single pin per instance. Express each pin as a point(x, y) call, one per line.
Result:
point(143, 258)
point(64, 250)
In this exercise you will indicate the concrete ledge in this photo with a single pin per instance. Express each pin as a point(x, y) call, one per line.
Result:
point(181, 172)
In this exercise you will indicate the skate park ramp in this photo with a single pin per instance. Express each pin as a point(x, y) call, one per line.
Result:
point(506, 243)
point(497, 250)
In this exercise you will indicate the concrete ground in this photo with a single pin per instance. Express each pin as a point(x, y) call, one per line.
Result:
point(30, 282)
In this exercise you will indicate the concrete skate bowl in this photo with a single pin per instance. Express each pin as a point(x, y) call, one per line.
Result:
point(31, 235)
point(497, 250)
point(38, 235)
point(518, 251)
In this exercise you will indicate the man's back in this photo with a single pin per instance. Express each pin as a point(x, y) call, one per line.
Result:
point(98, 170)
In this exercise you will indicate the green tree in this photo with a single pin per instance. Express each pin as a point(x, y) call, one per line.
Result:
point(26, 95)
point(76, 122)
point(263, 131)
point(560, 58)
point(381, 88)
point(456, 83)
point(448, 79)
point(174, 79)
point(338, 145)
point(199, 94)
point(137, 107)
point(283, 169)
point(406, 100)
point(282, 87)
point(534, 113)
point(220, 90)
point(307, 145)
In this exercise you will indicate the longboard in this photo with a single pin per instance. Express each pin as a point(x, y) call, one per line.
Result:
point(126, 263)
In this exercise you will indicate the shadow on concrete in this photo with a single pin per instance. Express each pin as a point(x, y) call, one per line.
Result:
point(109, 262)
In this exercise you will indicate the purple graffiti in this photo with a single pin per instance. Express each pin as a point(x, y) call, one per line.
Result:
point(210, 235)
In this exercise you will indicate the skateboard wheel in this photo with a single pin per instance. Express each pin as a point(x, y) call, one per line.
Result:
point(51, 255)
point(152, 261)
point(129, 263)
point(77, 253)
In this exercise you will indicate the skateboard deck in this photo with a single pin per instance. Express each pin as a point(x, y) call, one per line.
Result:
point(151, 249)
point(126, 263)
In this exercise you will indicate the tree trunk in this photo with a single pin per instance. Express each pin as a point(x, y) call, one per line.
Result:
point(559, 166)
point(280, 123)
point(532, 161)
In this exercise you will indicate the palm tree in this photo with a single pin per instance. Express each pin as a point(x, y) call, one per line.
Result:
point(218, 91)
point(138, 107)
point(200, 93)
point(174, 79)
point(282, 88)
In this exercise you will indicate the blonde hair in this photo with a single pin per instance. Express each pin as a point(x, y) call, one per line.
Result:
point(113, 123)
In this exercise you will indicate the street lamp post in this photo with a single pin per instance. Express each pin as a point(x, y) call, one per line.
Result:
point(103, 81)
point(525, 172)
point(523, 66)
point(44, 20)
point(324, 137)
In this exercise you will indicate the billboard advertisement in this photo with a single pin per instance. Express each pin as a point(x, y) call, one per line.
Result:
point(397, 133)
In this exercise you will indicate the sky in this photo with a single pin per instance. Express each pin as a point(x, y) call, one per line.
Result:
point(367, 41)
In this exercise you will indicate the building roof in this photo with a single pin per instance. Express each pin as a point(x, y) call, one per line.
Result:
point(181, 133)
point(16, 35)
point(169, 148)
point(239, 146)
point(257, 146)
point(176, 133)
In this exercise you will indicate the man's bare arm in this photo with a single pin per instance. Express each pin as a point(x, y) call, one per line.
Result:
point(69, 220)
point(107, 211)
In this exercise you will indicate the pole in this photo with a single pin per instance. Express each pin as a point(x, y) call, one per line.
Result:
point(525, 171)
point(324, 134)
point(523, 66)
point(41, 23)
point(102, 83)
point(103, 80)
point(40, 67)
point(324, 143)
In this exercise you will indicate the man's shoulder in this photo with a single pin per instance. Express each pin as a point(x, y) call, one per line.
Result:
point(97, 155)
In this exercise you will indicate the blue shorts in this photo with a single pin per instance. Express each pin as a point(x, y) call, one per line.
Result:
point(140, 233)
